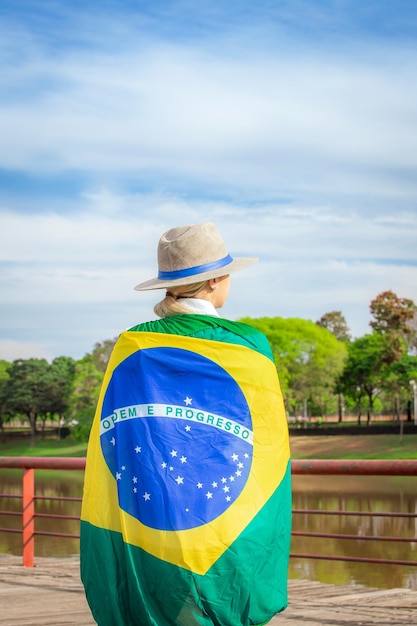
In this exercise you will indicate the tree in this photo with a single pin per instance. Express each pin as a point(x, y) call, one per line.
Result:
point(412, 335)
point(392, 314)
point(336, 324)
point(89, 373)
point(101, 354)
point(61, 380)
point(4, 377)
point(396, 383)
point(85, 392)
point(309, 360)
point(27, 390)
point(363, 371)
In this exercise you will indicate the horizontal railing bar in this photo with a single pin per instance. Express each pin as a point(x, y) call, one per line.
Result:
point(11, 530)
point(356, 559)
point(357, 467)
point(354, 513)
point(374, 467)
point(10, 495)
point(15, 513)
point(59, 498)
point(298, 533)
point(43, 462)
point(57, 516)
point(46, 533)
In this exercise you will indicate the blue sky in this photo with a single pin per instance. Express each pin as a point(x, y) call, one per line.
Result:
point(291, 125)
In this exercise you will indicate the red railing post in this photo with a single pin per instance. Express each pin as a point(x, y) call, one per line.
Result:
point(28, 517)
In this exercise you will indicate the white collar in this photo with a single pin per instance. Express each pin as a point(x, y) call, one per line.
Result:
point(203, 307)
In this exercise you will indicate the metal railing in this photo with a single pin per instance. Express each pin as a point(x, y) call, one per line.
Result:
point(303, 467)
point(355, 468)
point(29, 465)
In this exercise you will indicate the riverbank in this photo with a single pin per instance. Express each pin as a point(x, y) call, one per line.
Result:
point(302, 447)
point(385, 447)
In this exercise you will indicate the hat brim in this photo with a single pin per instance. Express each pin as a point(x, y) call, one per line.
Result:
point(234, 266)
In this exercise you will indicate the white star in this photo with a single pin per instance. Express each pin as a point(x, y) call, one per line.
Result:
point(240, 465)
point(199, 485)
point(171, 469)
point(226, 489)
point(146, 496)
point(214, 484)
point(183, 459)
point(135, 490)
point(135, 480)
point(188, 401)
point(231, 478)
point(224, 480)
point(228, 498)
point(235, 457)
point(118, 476)
point(246, 455)
point(123, 467)
point(138, 449)
point(187, 428)
point(113, 441)
point(179, 480)
point(164, 465)
point(238, 473)
point(173, 453)
point(209, 495)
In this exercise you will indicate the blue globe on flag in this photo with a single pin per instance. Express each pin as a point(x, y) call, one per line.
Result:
point(179, 449)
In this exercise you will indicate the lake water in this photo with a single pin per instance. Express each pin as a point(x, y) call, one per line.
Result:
point(383, 494)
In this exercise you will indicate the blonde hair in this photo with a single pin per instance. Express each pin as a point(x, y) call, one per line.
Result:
point(171, 303)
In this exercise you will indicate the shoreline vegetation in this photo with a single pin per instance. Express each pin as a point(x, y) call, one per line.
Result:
point(303, 446)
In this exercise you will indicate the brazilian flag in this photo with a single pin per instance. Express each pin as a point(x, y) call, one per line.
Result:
point(186, 514)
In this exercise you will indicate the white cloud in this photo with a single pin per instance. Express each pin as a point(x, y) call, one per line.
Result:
point(274, 122)
point(78, 271)
point(302, 155)
point(12, 350)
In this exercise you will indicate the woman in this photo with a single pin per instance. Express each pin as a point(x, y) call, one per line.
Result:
point(186, 513)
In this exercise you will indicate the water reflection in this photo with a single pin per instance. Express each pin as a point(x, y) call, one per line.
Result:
point(48, 484)
point(375, 494)
point(359, 494)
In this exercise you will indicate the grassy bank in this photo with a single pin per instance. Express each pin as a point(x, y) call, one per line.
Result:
point(354, 447)
point(43, 447)
point(302, 447)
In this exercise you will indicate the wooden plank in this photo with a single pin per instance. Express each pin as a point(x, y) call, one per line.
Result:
point(51, 594)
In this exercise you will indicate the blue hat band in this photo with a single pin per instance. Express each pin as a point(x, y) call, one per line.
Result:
point(197, 269)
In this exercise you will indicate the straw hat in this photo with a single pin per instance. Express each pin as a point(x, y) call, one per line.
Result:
point(190, 254)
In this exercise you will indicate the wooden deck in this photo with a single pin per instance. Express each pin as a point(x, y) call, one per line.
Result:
point(51, 594)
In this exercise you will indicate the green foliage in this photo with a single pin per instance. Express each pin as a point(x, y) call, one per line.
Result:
point(88, 378)
point(82, 424)
point(101, 354)
point(27, 389)
point(61, 383)
point(4, 377)
point(309, 360)
point(362, 375)
point(36, 388)
point(336, 324)
point(86, 387)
